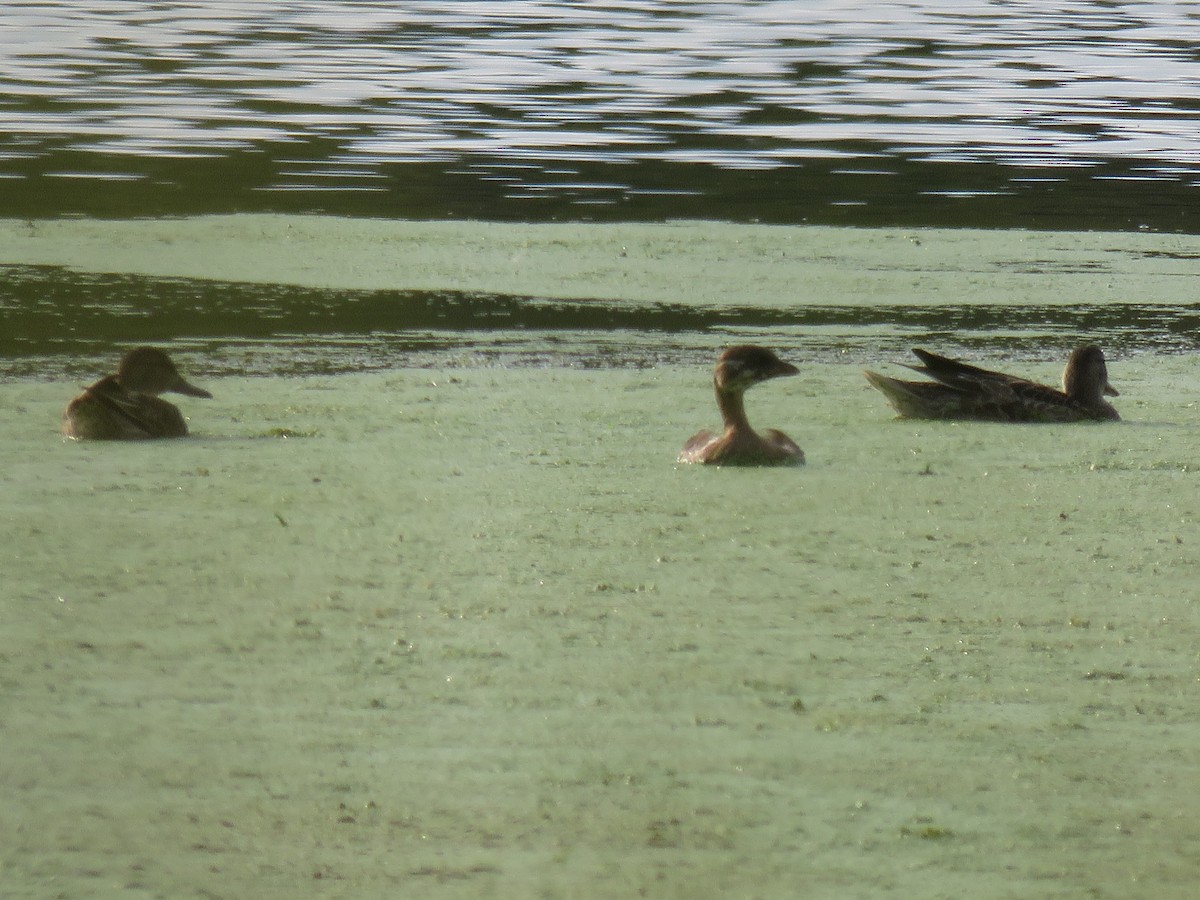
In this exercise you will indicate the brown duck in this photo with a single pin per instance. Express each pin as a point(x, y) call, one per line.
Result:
point(962, 391)
point(126, 406)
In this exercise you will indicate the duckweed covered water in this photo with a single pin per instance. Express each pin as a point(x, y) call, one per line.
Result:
point(476, 634)
point(308, 295)
point(469, 630)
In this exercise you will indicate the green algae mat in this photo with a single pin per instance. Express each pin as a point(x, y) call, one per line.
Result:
point(467, 629)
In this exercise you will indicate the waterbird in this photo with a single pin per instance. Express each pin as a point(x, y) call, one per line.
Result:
point(962, 391)
point(126, 406)
point(738, 369)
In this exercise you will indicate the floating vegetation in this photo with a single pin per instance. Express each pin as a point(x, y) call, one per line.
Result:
point(286, 433)
point(926, 832)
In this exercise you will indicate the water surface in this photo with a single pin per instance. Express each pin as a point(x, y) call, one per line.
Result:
point(437, 614)
point(471, 632)
point(297, 295)
point(1080, 115)
point(462, 627)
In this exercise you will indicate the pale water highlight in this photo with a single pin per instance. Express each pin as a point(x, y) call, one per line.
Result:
point(1010, 114)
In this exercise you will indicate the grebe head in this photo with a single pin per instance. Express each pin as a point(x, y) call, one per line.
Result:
point(147, 370)
point(739, 368)
point(1086, 376)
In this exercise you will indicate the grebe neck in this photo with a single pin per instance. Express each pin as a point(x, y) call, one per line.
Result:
point(733, 410)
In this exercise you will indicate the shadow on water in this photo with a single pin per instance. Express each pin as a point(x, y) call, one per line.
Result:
point(67, 319)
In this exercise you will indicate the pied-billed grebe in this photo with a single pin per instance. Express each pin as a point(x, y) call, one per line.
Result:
point(960, 391)
point(739, 368)
point(125, 406)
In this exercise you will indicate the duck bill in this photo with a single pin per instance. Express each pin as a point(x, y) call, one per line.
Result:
point(1110, 390)
point(782, 370)
point(182, 387)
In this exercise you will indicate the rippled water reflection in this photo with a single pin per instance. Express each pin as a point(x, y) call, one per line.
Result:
point(1076, 114)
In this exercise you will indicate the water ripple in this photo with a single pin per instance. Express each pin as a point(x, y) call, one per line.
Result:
point(597, 104)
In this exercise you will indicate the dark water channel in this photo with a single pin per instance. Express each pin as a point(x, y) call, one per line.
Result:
point(67, 319)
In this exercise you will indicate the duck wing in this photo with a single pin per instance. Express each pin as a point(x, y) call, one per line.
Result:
point(137, 415)
point(920, 399)
point(962, 376)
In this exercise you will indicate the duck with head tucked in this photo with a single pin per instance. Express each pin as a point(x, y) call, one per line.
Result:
point(126, 406)
point(737, 370)
point(961, 391)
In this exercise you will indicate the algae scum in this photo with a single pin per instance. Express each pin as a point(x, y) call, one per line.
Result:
point(443, 624)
